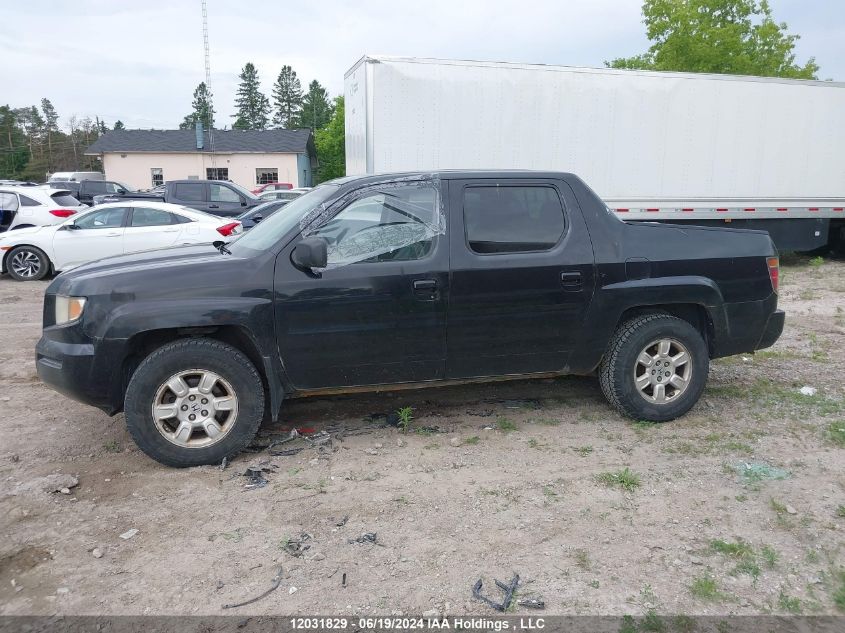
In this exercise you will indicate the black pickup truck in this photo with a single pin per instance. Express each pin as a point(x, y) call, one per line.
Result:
point(405, 280)
point(217, 197)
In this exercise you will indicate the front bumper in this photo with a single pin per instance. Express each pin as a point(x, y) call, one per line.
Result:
point(773, 329)
point(69, 368)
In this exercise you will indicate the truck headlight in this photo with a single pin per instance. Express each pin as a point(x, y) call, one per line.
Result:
point(68, 309)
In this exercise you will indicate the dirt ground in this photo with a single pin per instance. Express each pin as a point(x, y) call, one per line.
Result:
point(739, 507)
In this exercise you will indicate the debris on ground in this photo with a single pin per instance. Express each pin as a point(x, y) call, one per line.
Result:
point(531, 603)
point(224, 463)
point(507, 589)
point(49, 484)
point(97, 552)
point(343, 580)
point(297, 547)
point(274, 584)
point(255, 475)
point(343, 521)
point(366, 537)
point(128, 534)
point(807, 390)
point(517, 403)
point(754, 471)
point(296, 442)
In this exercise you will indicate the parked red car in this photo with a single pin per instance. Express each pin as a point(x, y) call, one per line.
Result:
point(272, 186)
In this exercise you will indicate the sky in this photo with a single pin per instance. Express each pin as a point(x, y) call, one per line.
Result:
point(140, 61)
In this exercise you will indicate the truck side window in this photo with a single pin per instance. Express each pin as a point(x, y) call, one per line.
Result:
point(394, 225)
point(222, 193)
point(189, 191)
point(512, 219)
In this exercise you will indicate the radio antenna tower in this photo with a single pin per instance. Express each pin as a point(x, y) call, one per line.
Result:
point(208, 79)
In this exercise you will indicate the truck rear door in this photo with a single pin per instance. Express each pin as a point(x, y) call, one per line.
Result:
point(522, 276)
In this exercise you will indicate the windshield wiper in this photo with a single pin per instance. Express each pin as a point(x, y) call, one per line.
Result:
point(220, 245)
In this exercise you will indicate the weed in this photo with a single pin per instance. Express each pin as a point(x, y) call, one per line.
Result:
point(406, 416)
point(625, 479)
point(402, 501)
point(705, 588)
point(293, 471)
point(594, 584)
point(788, 603)
point(836, 433)
point(776, 354)
point(431, 446)
point(583, 451)
point(548, 421)
point(740, 549)
point(236, 536)
point(807, 295)
point(648, 597)
point(770, 555)
point(747, 567)
point(741, 498)
point(505, 425)
point(112, 446)
point(472, 441)
point(534, 443)
point(840, 512)
point(817, 261)
point(839, 592)
point(738, 447)
point(777, 506)
point(549, 493)
point(812, 557)
point(652, 622)
point(582, 559)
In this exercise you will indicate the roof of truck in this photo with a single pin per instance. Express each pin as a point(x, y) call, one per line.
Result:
point(452, 174)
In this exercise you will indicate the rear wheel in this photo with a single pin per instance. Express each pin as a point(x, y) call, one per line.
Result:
point(655, 367)
point(194, 401)
point(27, 263)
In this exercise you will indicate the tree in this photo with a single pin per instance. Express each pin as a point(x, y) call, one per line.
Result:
point(203, 110)
point(316, 107)
point(51, 127)
point(13, 145)
point(287, 97)
point(737, 37)
point(118, 125)
point(331, 147)
point(253, 107)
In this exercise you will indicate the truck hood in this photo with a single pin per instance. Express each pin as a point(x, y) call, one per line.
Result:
point(149, 260)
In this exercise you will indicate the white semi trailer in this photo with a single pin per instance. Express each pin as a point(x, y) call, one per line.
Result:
point(656, 146)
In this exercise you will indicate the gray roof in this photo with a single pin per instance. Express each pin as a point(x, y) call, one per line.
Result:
point(255, 141)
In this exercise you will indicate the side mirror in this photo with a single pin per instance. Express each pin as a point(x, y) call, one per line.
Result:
point(243, 202)
point(312, 252)
point(72, 226)
point(121, 191)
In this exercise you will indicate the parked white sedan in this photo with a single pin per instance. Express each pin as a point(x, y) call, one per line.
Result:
point(105, 231)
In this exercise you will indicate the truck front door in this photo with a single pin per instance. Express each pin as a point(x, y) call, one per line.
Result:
point(522, 276)
point(377, 313)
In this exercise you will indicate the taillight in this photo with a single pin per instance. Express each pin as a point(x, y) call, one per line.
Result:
point(774, 274)
point(62, 213)
point(227, 229)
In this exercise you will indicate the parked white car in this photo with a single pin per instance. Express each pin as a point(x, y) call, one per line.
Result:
point(36, 206)
point(105, 231)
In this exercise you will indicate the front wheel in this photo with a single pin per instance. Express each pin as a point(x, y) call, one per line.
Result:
point(655, 368)
point(27, 263)
point(194, 401)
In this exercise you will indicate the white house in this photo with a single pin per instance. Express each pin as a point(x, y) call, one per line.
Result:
point(147, 158)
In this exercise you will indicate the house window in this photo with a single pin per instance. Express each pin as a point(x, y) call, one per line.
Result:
point(265, 176)
point(217, 173)
point(157, 176)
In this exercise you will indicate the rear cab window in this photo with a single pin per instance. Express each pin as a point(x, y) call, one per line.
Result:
point(512, 218)
point(189, 191)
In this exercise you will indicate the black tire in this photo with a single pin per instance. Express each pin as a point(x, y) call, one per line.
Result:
point(181, 356)
point(617, 372)
point(40, 265)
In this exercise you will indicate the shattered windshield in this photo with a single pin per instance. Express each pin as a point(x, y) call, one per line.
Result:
point(274, 228)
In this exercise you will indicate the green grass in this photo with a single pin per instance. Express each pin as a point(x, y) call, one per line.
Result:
point(777, 506)
point(740, 549)
point(817, 261)
point(406, 416)
point(625, 479)
point(789, 603)
point(549, 493)
point(112, 446)
point(840, 511)
point(770, 555)
point(583, 451)
point(766, 395)
point(748, 567)
point(472, 441)
point(505, 425)
point(836, 433)
point(839, 592)
point(705, 588)
point(582, 559)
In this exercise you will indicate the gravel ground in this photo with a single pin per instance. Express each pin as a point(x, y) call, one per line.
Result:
point(738, 508)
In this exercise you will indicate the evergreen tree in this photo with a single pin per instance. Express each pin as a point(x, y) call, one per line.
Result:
point(51, 127)
point(252, 105)
point(118, 125)
point(737, 37)
point(316, 108)
point(203, 109)
point(287, 97)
